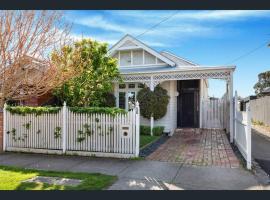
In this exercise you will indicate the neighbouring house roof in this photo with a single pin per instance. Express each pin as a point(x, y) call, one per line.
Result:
point(247, 99)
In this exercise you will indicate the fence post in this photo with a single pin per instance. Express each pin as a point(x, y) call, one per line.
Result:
point(248, 137)
point(4, 126)
point(137, 124)
point(64, 127)
point(235, 112)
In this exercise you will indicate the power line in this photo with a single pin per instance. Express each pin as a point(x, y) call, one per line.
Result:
point(248, 53)
point(157, 24)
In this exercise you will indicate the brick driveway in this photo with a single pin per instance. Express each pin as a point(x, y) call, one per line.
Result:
point(201, 147)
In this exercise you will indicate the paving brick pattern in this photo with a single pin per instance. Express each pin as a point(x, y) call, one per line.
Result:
point(199, 147)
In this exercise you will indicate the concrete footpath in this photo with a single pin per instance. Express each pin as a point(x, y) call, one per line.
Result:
point(142, 174)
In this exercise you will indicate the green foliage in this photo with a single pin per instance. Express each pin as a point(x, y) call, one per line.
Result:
point(263, 82)
point(104, 110)
point(158, 130)
point(153, 103)
point(23, 110)
point(256, 122)
point(12, 178)
point(84, 134)
point(145, 140)
point(27, 125)
point(97, 71)
point(57, 132)
point(146, 130)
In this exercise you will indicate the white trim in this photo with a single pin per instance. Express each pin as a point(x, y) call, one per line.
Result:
point(128, 48)
point(144, 66)
point(143, 58)
point(140, 44)
point(131, 58)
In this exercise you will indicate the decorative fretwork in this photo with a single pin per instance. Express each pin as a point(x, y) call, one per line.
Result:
point(192, 75)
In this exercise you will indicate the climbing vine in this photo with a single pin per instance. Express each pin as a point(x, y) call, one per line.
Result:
point(57, 132)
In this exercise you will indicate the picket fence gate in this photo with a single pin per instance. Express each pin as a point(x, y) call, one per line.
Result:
point(214, 113)
point(242, 131)
point(67, 132)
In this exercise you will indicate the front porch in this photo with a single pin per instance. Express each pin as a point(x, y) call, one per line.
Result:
point(187, 101)
point(197, 147)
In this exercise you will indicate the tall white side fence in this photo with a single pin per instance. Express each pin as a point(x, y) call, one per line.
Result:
point(242, 131)
point(67, 132)
point(214, 113)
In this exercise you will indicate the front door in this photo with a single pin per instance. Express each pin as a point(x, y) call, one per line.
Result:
point(188, 103)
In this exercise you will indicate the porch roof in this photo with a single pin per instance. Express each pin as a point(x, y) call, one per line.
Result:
point(165, 69)
point(154, 75)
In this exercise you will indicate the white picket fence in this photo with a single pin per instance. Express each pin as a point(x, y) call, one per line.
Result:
point(67, 132)
point(214, 113)
point(242, 131)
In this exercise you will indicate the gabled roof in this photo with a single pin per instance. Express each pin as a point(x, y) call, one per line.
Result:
point(139, 44)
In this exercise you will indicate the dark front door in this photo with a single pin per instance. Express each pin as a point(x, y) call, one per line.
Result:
point(188, 104)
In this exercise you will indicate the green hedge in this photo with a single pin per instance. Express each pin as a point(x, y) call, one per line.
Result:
point(105, 110)
point(23, 110)
point(146, 130)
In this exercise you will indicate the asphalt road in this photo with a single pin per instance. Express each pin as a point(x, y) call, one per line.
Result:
point(261, 150)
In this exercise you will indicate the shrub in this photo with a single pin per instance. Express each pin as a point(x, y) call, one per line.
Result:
point(108, 100)
point(153, 103)
point(158, 130)
point(146, 130)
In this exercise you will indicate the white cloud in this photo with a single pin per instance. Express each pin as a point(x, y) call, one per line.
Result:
point(113, 25)
point(194, 15)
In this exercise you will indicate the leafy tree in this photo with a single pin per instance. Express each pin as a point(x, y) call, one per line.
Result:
point(153, 103)
point(97, 71)
point(264, 82)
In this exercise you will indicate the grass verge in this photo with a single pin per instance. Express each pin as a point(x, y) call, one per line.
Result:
point(147, 139)
point(11, 179)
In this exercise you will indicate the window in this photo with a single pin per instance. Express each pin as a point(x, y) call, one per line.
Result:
point(122, 86)
point(122, 100)
point(132, 85)
point(140, 85)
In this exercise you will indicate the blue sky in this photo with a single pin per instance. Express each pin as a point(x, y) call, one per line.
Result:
point(204, 37)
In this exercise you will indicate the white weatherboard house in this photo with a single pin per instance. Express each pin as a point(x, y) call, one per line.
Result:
point(185, 81)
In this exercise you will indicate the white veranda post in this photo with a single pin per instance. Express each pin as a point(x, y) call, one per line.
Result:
point(231, 106)
point(152, 118)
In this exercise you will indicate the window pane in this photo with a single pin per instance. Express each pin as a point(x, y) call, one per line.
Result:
point(122, 100)
point(122, 86)
point(141, 85)
point(131, 100)
point(132, 85)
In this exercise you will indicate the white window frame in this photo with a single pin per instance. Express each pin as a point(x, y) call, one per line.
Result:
point(126, 90)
